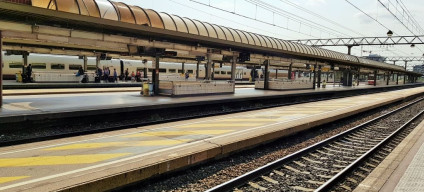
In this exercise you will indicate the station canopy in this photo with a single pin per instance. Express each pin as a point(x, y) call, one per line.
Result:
point(122, 12)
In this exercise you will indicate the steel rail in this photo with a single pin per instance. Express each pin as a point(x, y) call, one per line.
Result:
point(243, 179)
point(330, 183)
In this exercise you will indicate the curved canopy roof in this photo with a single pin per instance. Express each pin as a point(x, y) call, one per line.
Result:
point(118, 11)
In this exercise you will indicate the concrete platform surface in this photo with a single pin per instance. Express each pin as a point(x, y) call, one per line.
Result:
point(107, 160)
point(17, 108)
point(402, 170)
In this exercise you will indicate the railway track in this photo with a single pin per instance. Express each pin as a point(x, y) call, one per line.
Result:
point(337, 163)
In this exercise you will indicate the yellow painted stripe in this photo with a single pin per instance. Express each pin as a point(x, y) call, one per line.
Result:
point(86, 146)
point(119, 144)
point(214, 125)
point(9, 179)
point(159, 142)
point(253, 119)
point(58, 160)
point(177, 133)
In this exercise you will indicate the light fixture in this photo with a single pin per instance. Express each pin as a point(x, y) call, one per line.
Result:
point(412, 45)
point(390, 33)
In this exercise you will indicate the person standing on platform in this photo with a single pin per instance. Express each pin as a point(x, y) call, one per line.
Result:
point(126, 74)
point(81, 74)
point(29, 73)
point(187, 75)
point(137, 76)
point(115, 76)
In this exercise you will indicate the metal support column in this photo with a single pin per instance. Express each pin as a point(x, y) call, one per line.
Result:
point(85, 62)
point(25, 57)
point(359, 75)
point(155, 75)
point(97, 61)
point(266, 75)
point(233, 68)
point(397, 78)
point(404, 79)
point(208, 67)
point(276, 73)
point(182, 68)
point(388, 78)
point(290, 71)
point(315, 72)
point(197, 69)
point(319, 76)
point(1, 69)
point(349, 49)
point(406, 63)
point(375, 78)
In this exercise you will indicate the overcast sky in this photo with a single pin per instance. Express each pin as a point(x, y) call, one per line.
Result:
point(307, 19)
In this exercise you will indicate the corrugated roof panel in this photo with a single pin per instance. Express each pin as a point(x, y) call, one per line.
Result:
point(155, 19)
point(202, 29)
point(124, 12)
point(107, 10)
point(219, 32)
point(192, 28)
point(211, 30)
point(236, 36)
point(181, 25)
point(141, 17)
point(168, 22)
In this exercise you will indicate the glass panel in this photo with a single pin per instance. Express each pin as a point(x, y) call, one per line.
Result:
point(249, 37)
point(91, 67)
point(268, 42)
point(223, 73)
point(155, 20)
point(172, 70)
point(262, 40)
point(69, 6)
point(162, 70)
point(190, 71)
point(140, 16)
point(235, 35)
point(180, 71)
point(301, 49)
point(38, 65)
point(227, 33)
point(124, 12)
point(242, 37)
point(211, 30)
point(107, 10)
point(201, 28)
point(181, 26)
point(90, 7)
point(314, 50)
point(167, 20)
point(220, 32)
point(256, 39)
point(57, 66)
point(16, 65)
point(291, 47)
point(308, 50)
point(192, 29)
point(74, 67)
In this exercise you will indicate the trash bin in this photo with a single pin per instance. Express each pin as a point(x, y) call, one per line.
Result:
point(145, 89)
point(18, 77)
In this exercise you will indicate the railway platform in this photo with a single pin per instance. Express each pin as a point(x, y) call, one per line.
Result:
point(402, 170)
point(41, 106)
point(108, 160)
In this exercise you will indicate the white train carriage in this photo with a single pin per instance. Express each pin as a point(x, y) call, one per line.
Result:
point(57, 68)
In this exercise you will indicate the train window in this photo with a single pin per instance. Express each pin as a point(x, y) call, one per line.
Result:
point(217, 72)
point(162, 70)
point(172, 70)
point(140, 69)
point(228, 72)
point(91, 67)
point(190, 71)
point(15, 65)
point(74, 67)
point(57, 66)
point(38, 65)
point(222, 72)
point(180, 71)
point(150, 69)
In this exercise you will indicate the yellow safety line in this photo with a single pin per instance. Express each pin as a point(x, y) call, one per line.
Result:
point(9, 179)
point(58, 160)
point(179, 133)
